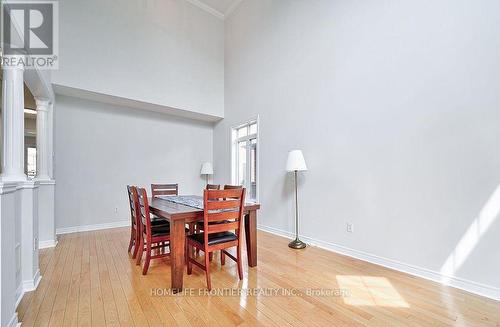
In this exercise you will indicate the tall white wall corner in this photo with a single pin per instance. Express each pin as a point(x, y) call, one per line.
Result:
point(46, 214)
point(29, 233)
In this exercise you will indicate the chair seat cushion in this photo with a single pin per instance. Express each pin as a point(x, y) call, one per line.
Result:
point(160, 230)
point(159, 222)
point(215, 238)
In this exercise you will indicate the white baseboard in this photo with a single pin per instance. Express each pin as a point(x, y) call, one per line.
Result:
point(28, 286)
point(457, 282)
point(47, 244)
point(31, 285)
point(88, 228)
point(14, 322)
point(19, 294)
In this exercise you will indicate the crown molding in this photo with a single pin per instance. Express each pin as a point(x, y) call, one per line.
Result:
point(207, 8)
point(211, 10)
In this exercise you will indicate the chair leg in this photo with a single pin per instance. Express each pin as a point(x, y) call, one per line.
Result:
point(132, 238)
point(140, 248)
point(211, 256)
point(136, 245)
point(238, 259)
point(147, 260)
point(207, 270)
point(196, 232)
point(222, 258)
point(188, 259)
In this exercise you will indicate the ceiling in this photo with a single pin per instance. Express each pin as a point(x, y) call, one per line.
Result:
point(218, 8)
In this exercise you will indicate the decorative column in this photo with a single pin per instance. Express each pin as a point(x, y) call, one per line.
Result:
point(46, 191)
point(51, 139)
point(42, 139)
point(13, 125)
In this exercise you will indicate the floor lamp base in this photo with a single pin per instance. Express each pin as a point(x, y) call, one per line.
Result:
point(296, 244)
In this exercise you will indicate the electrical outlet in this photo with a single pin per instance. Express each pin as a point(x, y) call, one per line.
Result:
point(350, 227)
point(116, 209)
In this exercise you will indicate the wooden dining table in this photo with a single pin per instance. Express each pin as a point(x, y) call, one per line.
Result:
point(179, 215)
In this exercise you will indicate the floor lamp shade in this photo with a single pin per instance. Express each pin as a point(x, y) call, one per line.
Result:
point(295, 161)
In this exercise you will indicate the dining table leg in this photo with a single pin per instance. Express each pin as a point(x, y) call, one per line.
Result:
point(251, 237)
point(177, 255)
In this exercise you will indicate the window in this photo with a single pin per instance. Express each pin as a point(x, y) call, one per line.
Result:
point(245, 158)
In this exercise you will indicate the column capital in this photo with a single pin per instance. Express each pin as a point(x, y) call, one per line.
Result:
point(42, 104)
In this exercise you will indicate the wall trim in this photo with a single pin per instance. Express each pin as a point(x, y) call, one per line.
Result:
point(88, 228)
point(45, 181)
point(14, 322)
point(206, 8)
point(456, 282)
point(29, 184)
point(47, 244)
point(32, 284)
point(28, 286)
point(8, 187)
point(19, 294)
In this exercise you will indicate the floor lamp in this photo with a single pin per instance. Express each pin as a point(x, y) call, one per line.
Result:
point(296, 163)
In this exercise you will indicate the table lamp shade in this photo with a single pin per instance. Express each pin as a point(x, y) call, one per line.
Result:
point(207, 169)
point(295, 161)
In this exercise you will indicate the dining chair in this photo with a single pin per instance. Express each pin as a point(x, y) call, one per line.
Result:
point(213, 187)
point(154, 237)
point(135, 232)
point(199, 225)
point(164, 189)
point(222, 215)
point(135, 223)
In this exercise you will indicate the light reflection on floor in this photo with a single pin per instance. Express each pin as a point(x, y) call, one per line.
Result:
point(370, 291)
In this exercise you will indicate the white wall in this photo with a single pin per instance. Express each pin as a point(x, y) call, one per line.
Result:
point(167, 53)
point(101, 148)
point(10, 249)
point(396, 107)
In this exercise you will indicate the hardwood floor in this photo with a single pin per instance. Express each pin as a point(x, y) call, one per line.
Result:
point(89, 280)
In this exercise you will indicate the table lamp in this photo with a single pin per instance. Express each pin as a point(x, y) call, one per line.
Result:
point(207, 170)
point(296, 163)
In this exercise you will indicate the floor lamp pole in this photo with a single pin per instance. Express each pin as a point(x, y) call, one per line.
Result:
point(296, 244)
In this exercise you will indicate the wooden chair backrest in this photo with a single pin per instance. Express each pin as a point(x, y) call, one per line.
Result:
point(232, 187)
point(224, 207)
point(164, 189)
point(213, 187)
point(143, 208)
point(133, 202)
